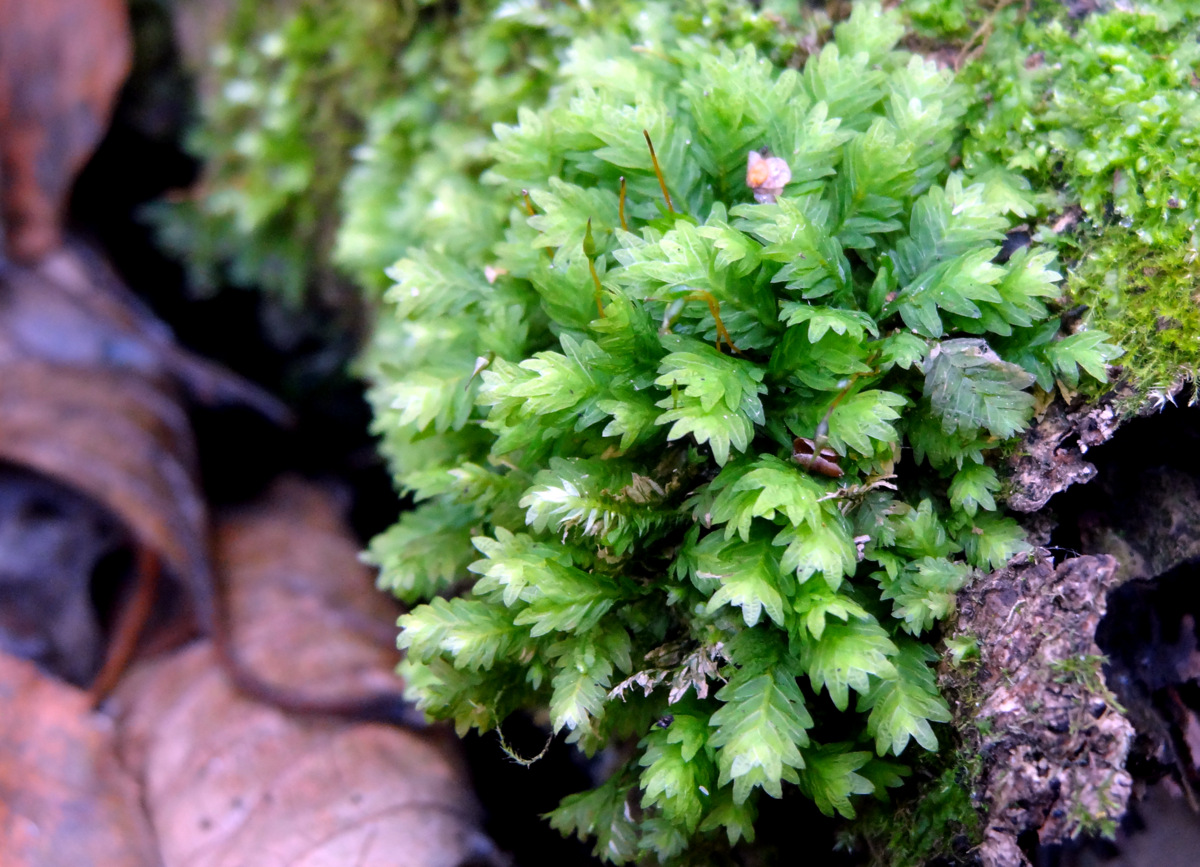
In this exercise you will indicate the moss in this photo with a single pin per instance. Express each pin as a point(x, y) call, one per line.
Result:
point(336, 135)
point(283, 107)
point(1100, 113)
point(617, 396)
point(1146, 297)
point(535, 331)
point(1086, 670)
point(938, 820)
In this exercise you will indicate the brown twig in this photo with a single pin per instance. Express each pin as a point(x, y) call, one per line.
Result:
point(621, 205)
point(131, 623)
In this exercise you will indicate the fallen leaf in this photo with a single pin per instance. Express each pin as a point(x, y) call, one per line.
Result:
point(71, 309)
point(90, 396)
point(62, 63)
point(304, 611)
point(65, 800)
point(230, 782)
point(826, 463)
point(116, 438)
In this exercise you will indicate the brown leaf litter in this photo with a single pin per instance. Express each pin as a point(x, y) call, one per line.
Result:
point(65, 799)
point(230, 781)
point(63, 64)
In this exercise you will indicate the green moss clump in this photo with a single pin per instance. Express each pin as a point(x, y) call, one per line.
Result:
point(944, 822)
point(338, 136)
point(1148, 295)
point(335, 135)
point(1101, 115)
point(610, 407)
point(594, 397)
point(281, 112)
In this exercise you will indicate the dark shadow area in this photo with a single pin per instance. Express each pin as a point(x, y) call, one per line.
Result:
point(513, 793)
point(301, 356)
point(1140, 508)
point(1166, 439)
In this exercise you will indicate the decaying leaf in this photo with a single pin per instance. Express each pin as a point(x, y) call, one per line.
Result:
point(303, 610)
point(62, 63)
point(71, 309)
point(229, 781)
point(65, 800)
point(825, 463)
point(115, 438)
point(89, 396)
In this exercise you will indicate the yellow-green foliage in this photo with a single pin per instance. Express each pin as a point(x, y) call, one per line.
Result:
point(1102, 114)
point(594, 402)
point(338, 133)
point(282, 110)
point(596, 416)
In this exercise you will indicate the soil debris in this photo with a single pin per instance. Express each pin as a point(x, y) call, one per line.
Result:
point(1051, 736)
point(1050, 457)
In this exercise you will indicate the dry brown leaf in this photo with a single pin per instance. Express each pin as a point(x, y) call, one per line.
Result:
point(123, 441)
point(89, 396)
point(304, 610)
point(116, 438)
point(72, 309)
point(62, 63)
point(230, 782)
point(65, 800)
